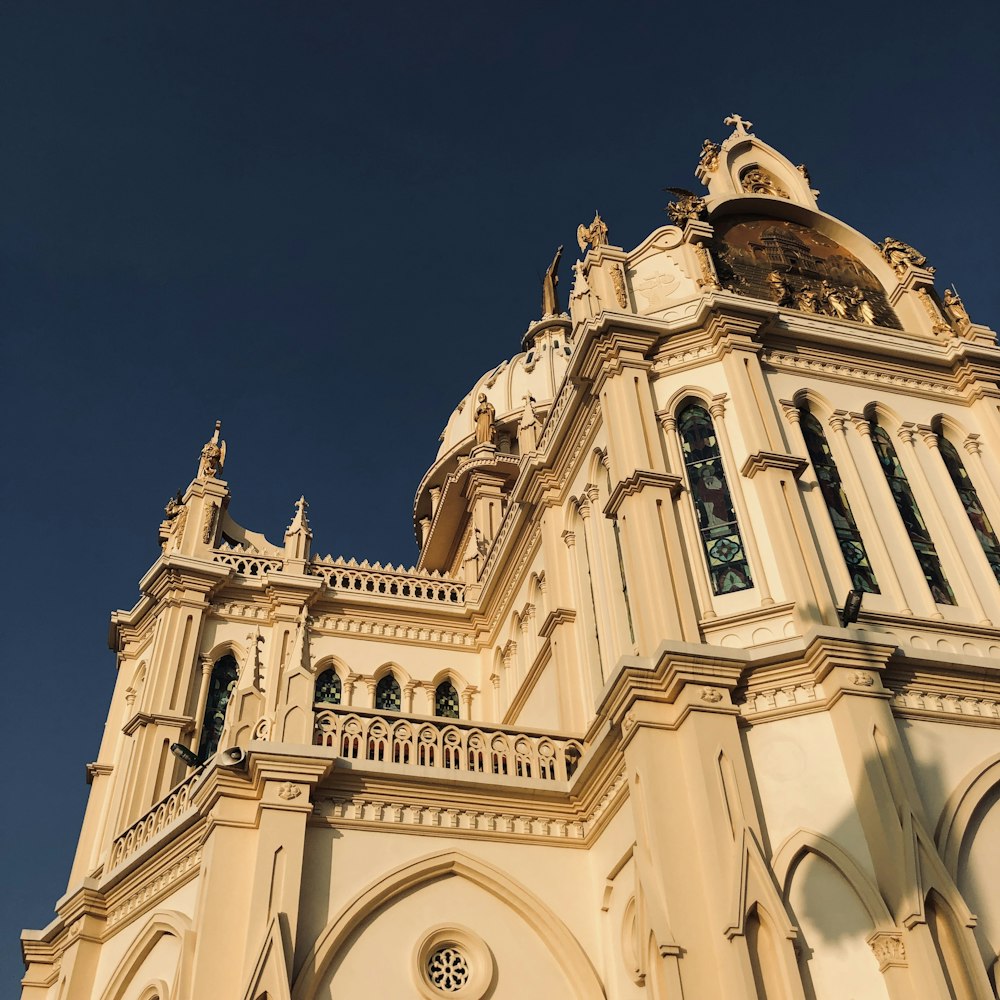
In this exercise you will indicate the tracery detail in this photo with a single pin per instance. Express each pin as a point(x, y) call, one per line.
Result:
point(221, 685)
point(717, 524)
point(970, 501)
point(328, 688)
point(913, 520)
point(448, 969)
point(851, 544)
point(387, 694)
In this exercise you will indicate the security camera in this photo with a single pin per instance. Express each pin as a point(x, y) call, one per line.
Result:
point(233, 757)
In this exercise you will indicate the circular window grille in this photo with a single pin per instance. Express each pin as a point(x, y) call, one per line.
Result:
point(448, 969)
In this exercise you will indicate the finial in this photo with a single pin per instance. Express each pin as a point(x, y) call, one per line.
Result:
point(741, 125)
point(298, 536)
point(596, 234)
point(213, 455)
point(301, 519)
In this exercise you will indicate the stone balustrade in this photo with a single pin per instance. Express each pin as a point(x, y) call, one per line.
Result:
point(143, 830)
point(387, 737)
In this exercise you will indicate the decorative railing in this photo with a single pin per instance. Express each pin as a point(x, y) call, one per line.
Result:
point(361, 580)
point(358, 578)
point(246, 563)
point(143, 830)
point(359, 734)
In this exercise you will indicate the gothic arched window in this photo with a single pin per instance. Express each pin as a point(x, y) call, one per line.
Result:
point(446, 700)
point(387, 694)
point(328, 688)
point(970, 501)
point(844, 525)
point(720, 534)
point(913, 520)
point(221, 685)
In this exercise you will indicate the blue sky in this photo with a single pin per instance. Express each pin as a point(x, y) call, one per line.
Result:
point(322, 222)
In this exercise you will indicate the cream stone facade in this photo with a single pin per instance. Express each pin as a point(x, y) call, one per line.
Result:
point(609, 738)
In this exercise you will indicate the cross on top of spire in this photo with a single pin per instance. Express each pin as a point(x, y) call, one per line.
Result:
point(742, 125)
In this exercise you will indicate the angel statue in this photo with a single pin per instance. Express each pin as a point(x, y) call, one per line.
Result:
point(900, 255)
point(550, 287)
point(213, 455)
point(685, 207)
point(596, 234)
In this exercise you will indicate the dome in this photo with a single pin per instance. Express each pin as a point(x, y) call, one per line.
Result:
point(537, 372)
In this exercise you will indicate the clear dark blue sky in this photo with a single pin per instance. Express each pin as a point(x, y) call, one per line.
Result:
point(322, 222)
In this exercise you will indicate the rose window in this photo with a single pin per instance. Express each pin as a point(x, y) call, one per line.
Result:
point(448, 969)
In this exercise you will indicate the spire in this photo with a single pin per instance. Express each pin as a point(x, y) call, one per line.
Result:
point(298, 537)
point(213, 455)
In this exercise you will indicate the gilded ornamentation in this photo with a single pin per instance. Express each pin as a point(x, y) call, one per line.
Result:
point(550, 287)
point(213, 455)
point(710, 156)
point(756, 180)
point(288, 791)
point(901, 256)
point(618, 280)
point(596, 234)
point(954, 309)
point(799, 268)
point(741, 125)
point(485, 420)
point(208, 529)
point(938, 325)
point(711, 695)
point(685, 207)
point(708, 278)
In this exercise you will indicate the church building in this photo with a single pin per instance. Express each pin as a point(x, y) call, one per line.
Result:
point(693, 693)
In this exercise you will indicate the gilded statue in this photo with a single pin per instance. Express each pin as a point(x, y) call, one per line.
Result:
point(954, 309)
point(213, 455)
point(550, 287)
point(780, 288)
point(861, 309)
point(900, 255)
point(710, 155)
point(485, 417)
point(807, 300)
point(836, 301)
point(596, 234)
point(685, 207)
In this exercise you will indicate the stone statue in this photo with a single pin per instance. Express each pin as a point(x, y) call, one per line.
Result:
point(174, 505)
point(710, 155)
point(550, 287)
point(596, 234)
point(900, 255)
point(213, 455)
point(485, 416)
point(954, 309)
point(685, 206)
point(527, 429)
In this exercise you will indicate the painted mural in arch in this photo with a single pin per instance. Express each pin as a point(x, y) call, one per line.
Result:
point(798, 268)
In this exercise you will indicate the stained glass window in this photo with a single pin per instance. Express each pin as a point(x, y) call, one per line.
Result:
point(970, 501)
point(221, 685)
point(328, 688)
point(844, 525)
point(913, 520)
point(720, 534)
point(446, 700)
point(387, 695)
